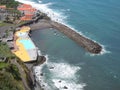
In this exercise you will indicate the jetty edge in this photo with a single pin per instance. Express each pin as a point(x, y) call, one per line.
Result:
point(83, 41)
point(88, 44)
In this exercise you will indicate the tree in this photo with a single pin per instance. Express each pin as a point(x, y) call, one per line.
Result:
point(7, 18)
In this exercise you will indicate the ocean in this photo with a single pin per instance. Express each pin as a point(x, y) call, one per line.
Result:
point(68, 65)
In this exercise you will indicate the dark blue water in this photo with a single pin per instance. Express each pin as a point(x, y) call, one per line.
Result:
point(96, 19)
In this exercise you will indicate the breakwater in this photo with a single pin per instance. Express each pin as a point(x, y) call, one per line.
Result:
point(84, 42)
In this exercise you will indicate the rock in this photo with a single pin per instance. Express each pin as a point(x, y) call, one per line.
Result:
point(41, 74)
point(60, 81)
point(51, 67)
point(40, 60)
point(65, 87)
point(43, 85)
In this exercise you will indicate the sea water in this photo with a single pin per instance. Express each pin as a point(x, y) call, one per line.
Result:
point(69, 65)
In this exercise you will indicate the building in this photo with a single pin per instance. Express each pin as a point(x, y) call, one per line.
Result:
point(28, 12)
point(2, 12)
point(2, 7)
point(27, 17)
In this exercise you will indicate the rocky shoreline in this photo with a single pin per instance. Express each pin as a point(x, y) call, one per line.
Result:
point(84, 42)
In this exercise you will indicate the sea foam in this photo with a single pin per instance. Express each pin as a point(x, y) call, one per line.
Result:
point(61, 75)
point(104, 51)
point(64, 75)
point(63, 70)
point(70, 85)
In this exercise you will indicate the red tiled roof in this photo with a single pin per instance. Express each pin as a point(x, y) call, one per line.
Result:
point(31, 9)
point(28, 11)
point(26, 7)
point(3, 6)
point(27, 17)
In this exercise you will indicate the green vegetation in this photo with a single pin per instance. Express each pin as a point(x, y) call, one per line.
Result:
point(12, 71)
point(4, 24)
point(3, 65)
point(5, 51)
point(10, 78)
point(9, 3)
point(26, 70)
point(11, 68)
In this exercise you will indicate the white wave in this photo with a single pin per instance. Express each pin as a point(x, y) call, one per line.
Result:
point(68, 9)
point(61, 84)
point(39, 52)
point(63, 70)
point(40, 78)
point(38, 72)
point(47, 58)
point(65, 75)
point(54, 15)
point(38, 75)
point(62, 74)
point(104, 51)
point(65, 10)
point(39, 1)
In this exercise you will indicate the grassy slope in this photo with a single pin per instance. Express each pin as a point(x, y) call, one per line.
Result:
point(5, 51)
point(10, 77)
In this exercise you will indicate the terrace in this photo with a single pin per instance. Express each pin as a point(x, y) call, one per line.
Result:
point(24, 47)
